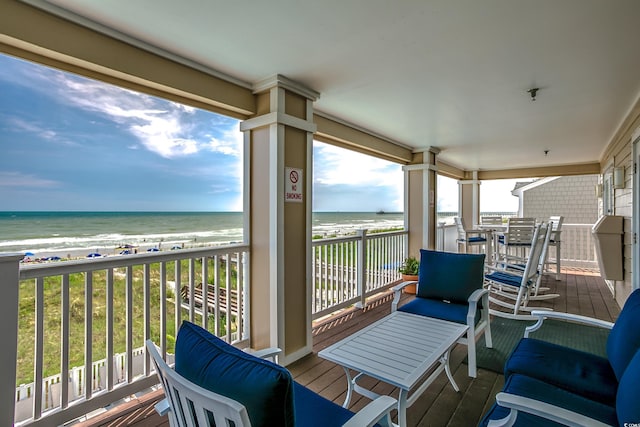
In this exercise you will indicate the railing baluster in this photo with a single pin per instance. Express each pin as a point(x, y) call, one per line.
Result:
point(64, 338)
point(176, 289)
point(129, 308)
point(163, 309)
point(192, 285)
point(39, 347)
point(88, 333)
point(110, 331)
point(146, 277)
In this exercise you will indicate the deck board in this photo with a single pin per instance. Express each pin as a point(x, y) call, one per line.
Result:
point(581, 292)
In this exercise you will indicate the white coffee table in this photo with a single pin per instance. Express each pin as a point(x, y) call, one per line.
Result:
point(399, 349)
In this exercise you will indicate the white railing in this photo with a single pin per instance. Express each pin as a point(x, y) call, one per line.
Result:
point(577, 245)
point(347, 270)
point(108, 307)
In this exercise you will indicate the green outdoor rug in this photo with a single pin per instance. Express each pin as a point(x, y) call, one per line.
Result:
point(506, 333)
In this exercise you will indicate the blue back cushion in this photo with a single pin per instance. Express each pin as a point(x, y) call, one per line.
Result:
point(627, 406)
point(264, 388)
point(449, 276)
point(624, 338)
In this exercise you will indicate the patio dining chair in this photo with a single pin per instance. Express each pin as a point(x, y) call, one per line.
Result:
point(450, 288)
point(514, 285)
point(517, 237)
point(468, 238)
point(554, 241)
point(216, 384)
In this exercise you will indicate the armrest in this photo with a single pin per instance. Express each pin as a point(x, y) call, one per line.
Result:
point(374, 413)
point(543, 314)
point(396, 293)
point(162, 407)
point(474, 298)
point(477, 295)
point(544, 410)
point(266, 353)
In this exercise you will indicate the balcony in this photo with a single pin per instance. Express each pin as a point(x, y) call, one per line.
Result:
point(582, 292)
point(347, 271)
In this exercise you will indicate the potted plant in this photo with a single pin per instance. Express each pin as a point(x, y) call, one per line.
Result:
point(409, 270)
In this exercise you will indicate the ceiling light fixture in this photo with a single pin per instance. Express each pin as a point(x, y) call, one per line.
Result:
point(533, 92)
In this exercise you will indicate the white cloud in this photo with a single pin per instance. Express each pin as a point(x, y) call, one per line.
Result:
point(229, 144)
point(19, 179)
point(337, 166)
point(369, 182)
point(159, 125)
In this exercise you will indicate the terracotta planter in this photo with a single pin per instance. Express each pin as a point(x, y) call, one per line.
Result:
point(410, 289)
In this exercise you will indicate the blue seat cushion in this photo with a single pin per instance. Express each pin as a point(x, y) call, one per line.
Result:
point(624, 339)
point(627, 401)
point(582, 373)
point(476, 239)
point(505, 278)
point(533, 388)
point(313, 410)
point(439, 309)
point(449, 276)
point(264, 388)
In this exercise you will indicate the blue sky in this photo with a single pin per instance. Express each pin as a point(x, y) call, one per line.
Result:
point(71, 143)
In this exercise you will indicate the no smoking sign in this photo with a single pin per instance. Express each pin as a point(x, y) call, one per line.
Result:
point(293, 185)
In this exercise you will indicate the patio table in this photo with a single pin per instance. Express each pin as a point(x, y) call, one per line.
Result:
point(399, 349)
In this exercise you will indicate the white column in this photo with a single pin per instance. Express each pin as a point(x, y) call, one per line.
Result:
point(279, 143)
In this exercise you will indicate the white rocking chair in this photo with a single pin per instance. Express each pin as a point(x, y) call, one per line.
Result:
point(512, 285)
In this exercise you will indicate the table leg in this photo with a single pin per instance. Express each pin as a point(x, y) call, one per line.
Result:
point(447, 369)
point(347, 398)
point(402, 408)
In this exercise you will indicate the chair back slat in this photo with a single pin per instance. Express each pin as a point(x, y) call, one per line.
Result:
point(520, 231)
point(491, 220)
point(195, 406)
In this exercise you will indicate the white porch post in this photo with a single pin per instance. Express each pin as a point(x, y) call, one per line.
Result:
point(469, 200)
point(9, 280)
point(420, 201)
point(278, 161)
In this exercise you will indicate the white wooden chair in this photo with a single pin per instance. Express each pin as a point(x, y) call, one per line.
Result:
point(469, 238)
point(518, 235)
point(516, 265)
point(189, 405)
point(554, 241)
point(512, 286)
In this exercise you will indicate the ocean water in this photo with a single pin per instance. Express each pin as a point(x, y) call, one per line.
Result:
point(75, 232)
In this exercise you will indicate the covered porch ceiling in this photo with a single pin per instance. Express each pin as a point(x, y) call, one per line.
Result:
point(448, 74)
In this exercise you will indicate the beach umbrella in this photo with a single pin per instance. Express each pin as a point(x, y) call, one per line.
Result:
point(176, 247)
point(153, 250)
point(94, 255)
point(29, 254)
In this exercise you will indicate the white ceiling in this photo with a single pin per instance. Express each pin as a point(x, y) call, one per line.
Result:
point(453, 74)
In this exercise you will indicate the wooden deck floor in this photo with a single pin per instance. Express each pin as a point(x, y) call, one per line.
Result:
point(581, 292)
